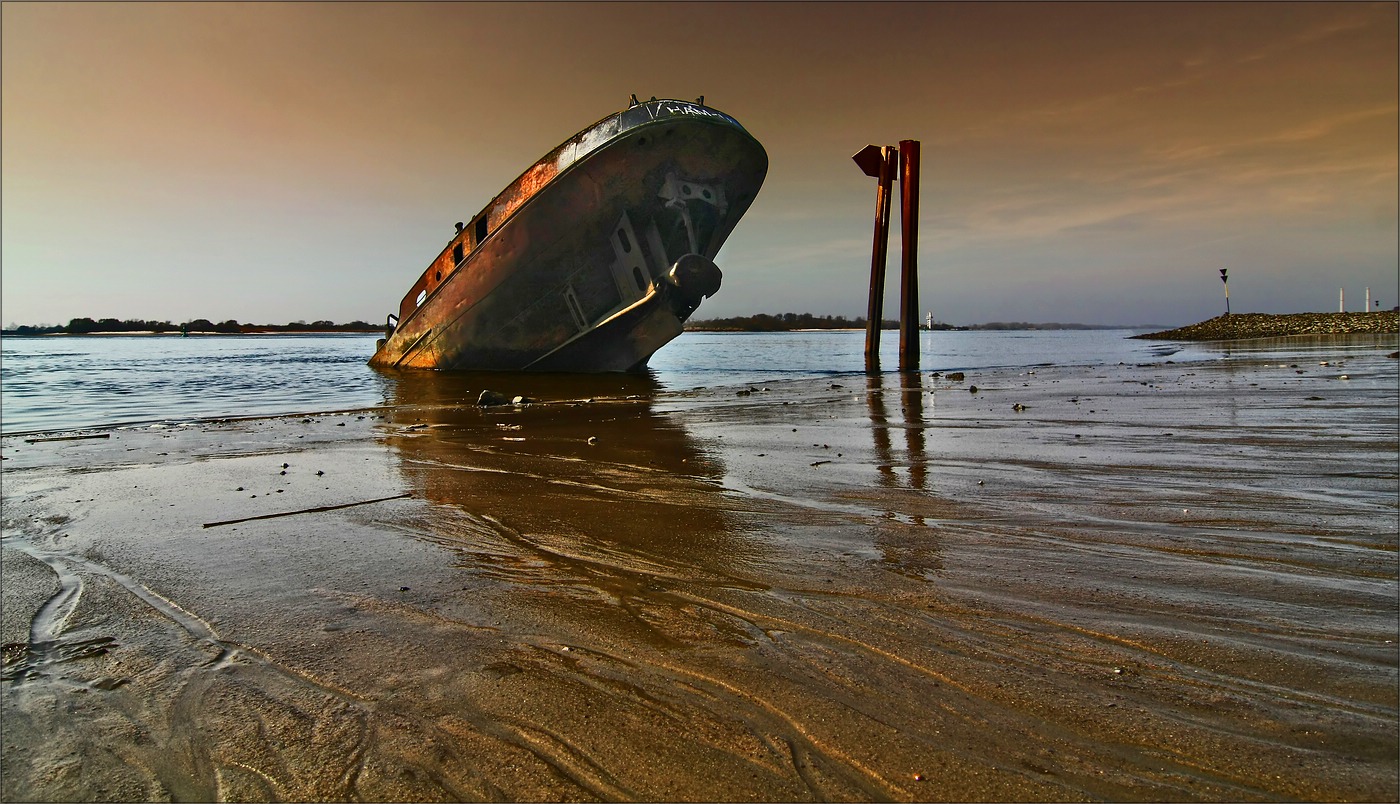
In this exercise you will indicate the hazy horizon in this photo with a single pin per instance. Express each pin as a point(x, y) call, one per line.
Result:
point(1088, 163)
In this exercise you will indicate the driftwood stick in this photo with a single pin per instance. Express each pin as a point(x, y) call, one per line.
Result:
point(315, 510)
point(66, 438)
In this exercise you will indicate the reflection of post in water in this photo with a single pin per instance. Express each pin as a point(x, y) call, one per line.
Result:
point(911, 408)
point(880, 428)
point(912, 386)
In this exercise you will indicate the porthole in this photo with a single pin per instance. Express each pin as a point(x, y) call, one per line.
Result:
point(438, 277)
point(641, 280)
point(707, 194)
point(685, 188)
point(641, 141)
point(623, 239)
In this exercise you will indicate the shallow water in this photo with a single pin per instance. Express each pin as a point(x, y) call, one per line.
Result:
point(58, 383)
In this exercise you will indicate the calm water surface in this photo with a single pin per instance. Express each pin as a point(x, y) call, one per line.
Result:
point(55, 383)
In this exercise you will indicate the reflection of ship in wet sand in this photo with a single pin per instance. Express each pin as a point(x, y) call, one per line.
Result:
point(590, 475)
point(594, 257)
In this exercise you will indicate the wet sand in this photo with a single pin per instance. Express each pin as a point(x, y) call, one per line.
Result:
point(1155, 582)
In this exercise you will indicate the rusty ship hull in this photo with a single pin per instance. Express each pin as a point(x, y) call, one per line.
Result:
point(593, 258)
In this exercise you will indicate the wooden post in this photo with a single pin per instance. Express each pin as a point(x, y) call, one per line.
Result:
point(880, 162)
point(909, 262)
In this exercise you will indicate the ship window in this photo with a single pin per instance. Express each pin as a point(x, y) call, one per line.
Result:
point(481, 228)
point(422, 294)
point(622, 238)
point(641, 281)
point(571, 301)
point(437, 277)
point(456, 254)
point(705, 193)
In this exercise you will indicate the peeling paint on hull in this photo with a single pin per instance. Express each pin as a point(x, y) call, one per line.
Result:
point(594, 257)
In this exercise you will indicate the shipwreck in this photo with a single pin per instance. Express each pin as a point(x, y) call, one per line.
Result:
point(594, 257)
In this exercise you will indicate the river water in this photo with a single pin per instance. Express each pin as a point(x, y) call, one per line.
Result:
point(59, 383)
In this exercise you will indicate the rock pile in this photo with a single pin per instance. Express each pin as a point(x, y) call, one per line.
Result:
point(1262, 325)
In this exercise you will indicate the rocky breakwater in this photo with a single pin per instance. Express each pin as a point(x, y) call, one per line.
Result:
point(1261, 325)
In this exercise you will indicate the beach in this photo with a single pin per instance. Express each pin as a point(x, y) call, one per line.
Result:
point(1150, 581)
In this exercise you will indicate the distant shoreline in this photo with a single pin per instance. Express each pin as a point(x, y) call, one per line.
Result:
point(1237, 326)
point(699, 327)
point(1243, 326)
point(809, 322)
point(177, 333)
point(995, 326)
point(200, 326)
point(973, 328)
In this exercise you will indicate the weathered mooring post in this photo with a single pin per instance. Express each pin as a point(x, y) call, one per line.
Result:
point(909, 256)
point(882, 163)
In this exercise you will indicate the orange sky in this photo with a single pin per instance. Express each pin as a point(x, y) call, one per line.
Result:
point(1082, 162)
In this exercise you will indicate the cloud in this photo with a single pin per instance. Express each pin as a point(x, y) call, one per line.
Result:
point(1316, 33)
point(788, 254)
point(1317, 129)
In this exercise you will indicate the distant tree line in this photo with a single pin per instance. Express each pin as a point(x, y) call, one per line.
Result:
point(1019, 325)
point(783, 322)
point(88, 326)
